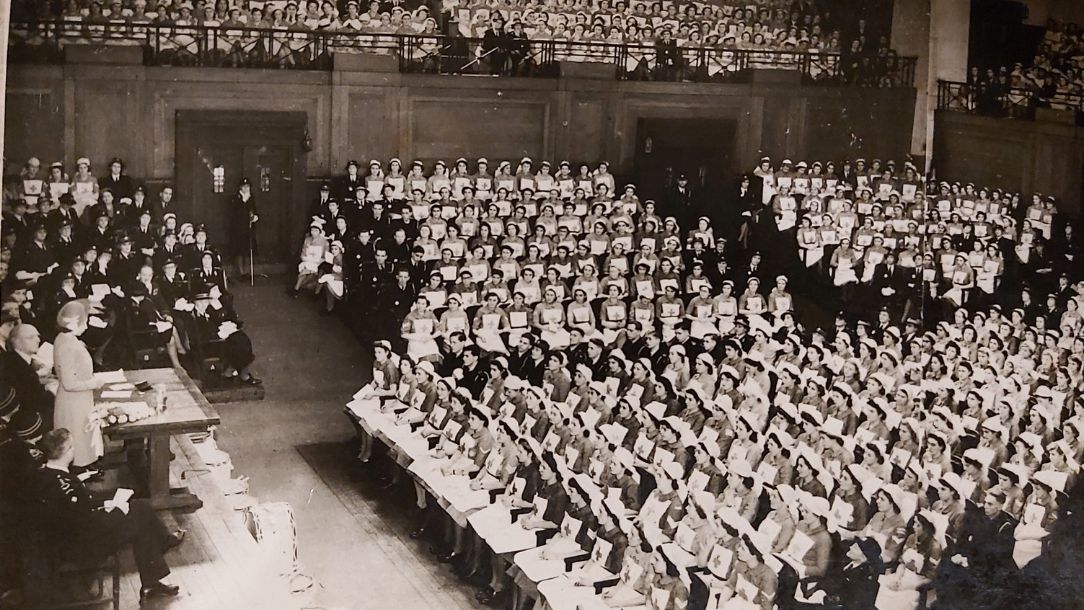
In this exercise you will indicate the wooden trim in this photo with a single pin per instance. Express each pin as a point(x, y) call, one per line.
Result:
point(242, 117)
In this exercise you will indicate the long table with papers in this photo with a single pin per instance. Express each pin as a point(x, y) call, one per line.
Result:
point(428, 445)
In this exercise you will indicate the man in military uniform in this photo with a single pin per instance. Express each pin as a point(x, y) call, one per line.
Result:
point(473, 374)
point(64, 245)
point(319, 205)
point(395, 303)
point(982, 556)
point(374, 273)
point(35, 260)
point(80, 524)
point(419, 269)
point(243, 219)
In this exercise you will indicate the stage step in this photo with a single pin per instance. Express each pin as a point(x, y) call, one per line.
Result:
point(231, 392)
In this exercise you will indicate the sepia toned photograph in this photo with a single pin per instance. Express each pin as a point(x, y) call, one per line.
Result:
point(542, 304)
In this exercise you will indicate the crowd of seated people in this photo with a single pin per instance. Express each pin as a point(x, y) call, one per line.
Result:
point(154, 286)
point(601, 407)
point(883, 236)
point(1054, 78)
point(666, 35)
point(96, 275)
point(679, 41)
point(226, 32)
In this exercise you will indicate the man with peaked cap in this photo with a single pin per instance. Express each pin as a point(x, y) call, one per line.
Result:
point(203, 324)
point(126, 263)
point(318, 207)
point(18, 221)
point(244, 215)
point(64, 244)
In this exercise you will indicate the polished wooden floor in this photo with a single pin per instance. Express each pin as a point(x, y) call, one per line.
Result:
point(294, 446)
point(218, 566)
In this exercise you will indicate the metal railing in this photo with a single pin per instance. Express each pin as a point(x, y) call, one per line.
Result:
point(228, 46)
point(1005, 102)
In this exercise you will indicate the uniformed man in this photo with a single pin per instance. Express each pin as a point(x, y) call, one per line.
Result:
point(395, 303)
point(64, 245)
point(85, 526)
point(473, 374)
point(983, 553)
point(243, 219)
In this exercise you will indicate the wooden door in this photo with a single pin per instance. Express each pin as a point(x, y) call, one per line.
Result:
point(215, 149)
point(699, 148)
point(215, 173)
point(269, 170)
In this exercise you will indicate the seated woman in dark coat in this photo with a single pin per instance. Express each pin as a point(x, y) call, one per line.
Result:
point(213, 321)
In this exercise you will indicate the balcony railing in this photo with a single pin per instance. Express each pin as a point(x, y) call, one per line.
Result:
point(226, 46)
point(1004, 102)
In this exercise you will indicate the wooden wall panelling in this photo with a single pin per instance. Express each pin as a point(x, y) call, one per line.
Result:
point(1055, 167)
point(496, 124)
point(107, 115)
point(34, 121)
point(750, 134)
point(876, 120)
point(354, 115)
point(987, 152)
point(371, 129)
point(259, 92)
point(586, 127)
point(773, 136)
point(795, 134)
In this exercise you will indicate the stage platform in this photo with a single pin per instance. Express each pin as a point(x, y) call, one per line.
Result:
point(220, 565)
point(191, 481)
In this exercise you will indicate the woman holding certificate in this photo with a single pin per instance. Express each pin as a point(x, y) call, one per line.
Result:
point(75, 392)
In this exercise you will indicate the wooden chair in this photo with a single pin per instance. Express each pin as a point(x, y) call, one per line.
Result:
point(48, 573)
point(98, 572)
point(147, 347)
point(208, 361)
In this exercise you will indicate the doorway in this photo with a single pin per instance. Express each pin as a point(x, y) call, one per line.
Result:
point(702, 149)
point(216, 149)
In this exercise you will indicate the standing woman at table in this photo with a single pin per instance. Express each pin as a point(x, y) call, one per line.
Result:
point(75, 393)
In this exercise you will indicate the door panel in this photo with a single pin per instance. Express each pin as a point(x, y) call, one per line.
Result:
point(215, 170)
point(266, 148)
point(268, 168)
point(699, 148)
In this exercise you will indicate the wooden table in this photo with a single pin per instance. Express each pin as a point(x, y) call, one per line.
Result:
point(186, 411)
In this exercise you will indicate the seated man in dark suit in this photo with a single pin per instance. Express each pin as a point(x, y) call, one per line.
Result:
point(82, 526)
point(21, 371)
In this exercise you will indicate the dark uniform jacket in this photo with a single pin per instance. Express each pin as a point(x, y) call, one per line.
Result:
point(28, 388)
